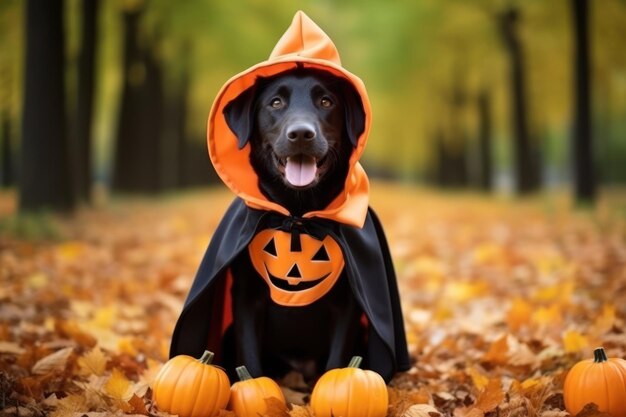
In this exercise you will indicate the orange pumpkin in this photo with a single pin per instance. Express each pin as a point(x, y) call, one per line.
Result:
point(190, 387)
point(296, 276)
point(350, 392)
point(601, 381)
point(247, 397)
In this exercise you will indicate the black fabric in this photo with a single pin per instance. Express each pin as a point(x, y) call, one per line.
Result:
point(368, 266)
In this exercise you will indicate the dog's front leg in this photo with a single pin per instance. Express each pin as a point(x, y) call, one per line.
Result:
point(248, 316)
point(248, 333)
point(344, 334)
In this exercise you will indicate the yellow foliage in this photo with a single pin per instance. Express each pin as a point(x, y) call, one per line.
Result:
point(519, 314)
point(547, 316)
point(118, 387)
point(480, 381)
point(574, 341)
point(464, 291)
point(93, 362)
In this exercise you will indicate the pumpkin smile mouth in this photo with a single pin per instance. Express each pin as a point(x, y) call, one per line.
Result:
point(294, 284)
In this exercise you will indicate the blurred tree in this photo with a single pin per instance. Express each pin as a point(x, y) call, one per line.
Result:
point(7, 177)
point(508, 23)
point(139, 140)
point(85, 96)
point(179, 123)
point(485, 139)
point(45, 178)
point(584, 175)
point(456, 157)
point(608, 66)
point(7, 150)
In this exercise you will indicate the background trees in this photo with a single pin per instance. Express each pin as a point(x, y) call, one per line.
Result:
point(45, 176)
point(486, 94)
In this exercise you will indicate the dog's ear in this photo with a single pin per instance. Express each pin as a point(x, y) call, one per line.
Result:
point(354, 113)
point(239, 115)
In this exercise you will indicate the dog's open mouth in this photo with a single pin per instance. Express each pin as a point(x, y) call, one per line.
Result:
point(300, 170)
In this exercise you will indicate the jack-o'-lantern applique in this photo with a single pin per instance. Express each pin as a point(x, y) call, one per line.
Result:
point(300, 275)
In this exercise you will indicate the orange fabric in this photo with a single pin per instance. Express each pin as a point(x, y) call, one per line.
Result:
point(304, 43)
point(280, 260)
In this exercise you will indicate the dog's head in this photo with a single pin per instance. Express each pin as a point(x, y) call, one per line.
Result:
point(302, 126)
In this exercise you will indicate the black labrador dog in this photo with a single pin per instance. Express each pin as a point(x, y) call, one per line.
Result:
point(302, 126)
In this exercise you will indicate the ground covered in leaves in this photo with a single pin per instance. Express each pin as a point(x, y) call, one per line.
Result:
point(500, 298)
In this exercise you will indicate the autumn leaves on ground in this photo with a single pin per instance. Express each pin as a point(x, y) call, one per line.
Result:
point(500, 298)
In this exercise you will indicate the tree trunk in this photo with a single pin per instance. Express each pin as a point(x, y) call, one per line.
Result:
point(485, 140)
point(153, 138)
point(456, 152)
point(522, 147)
point(442, 173)
point(8, 178)
point(139, 139)
point(84, 102)
point(45, 179)
point(181, 128)
point(130, 106)
point(584, 174)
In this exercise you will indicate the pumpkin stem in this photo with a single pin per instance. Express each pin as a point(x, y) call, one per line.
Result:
point(599, 355)
point(355, 362)
point(242, 373)
point(207, 357)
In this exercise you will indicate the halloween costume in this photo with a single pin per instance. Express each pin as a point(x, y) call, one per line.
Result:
point(307, 253)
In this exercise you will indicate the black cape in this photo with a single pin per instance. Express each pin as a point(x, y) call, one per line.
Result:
point(207, 312)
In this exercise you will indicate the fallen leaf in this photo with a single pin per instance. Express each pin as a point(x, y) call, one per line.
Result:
point(138, 406)
point(54, 362)
point(73, 331)
point(498, 352)
point(591, 410)
point(93, 362)
point(69, 405)
point(491, 396)
point(118, 387)
point(548, 316)
point(17, 411)
point(468, 412)
point(480, 381)
point(605, 321)
point(519, 314)
point(422, 410)
point(275, 408)
point(10, 347)
point(300, 411)
point(574, 342)
point(554, 413)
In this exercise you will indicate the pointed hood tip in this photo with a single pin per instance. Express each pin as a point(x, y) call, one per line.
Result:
point(305, 39)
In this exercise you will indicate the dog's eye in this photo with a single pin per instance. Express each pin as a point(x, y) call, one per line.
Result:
point(276, 103)
point(326, 102)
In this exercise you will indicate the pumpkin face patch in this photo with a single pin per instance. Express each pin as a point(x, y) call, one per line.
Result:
point(296, 276)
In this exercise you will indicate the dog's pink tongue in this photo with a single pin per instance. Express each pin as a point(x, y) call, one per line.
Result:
point(300, 170)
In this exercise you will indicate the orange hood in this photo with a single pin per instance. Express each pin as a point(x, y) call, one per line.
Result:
point(304, 43)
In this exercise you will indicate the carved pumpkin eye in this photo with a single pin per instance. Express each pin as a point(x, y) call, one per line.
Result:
point(296, 274)
point(270, 248)
point(321, 255)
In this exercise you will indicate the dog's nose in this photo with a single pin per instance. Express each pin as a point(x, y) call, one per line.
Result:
point(300, 132)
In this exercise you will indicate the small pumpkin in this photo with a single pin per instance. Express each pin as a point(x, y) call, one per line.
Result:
point(350, 392)
point(601, 381)
point(247, 397)
point(191, 387)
